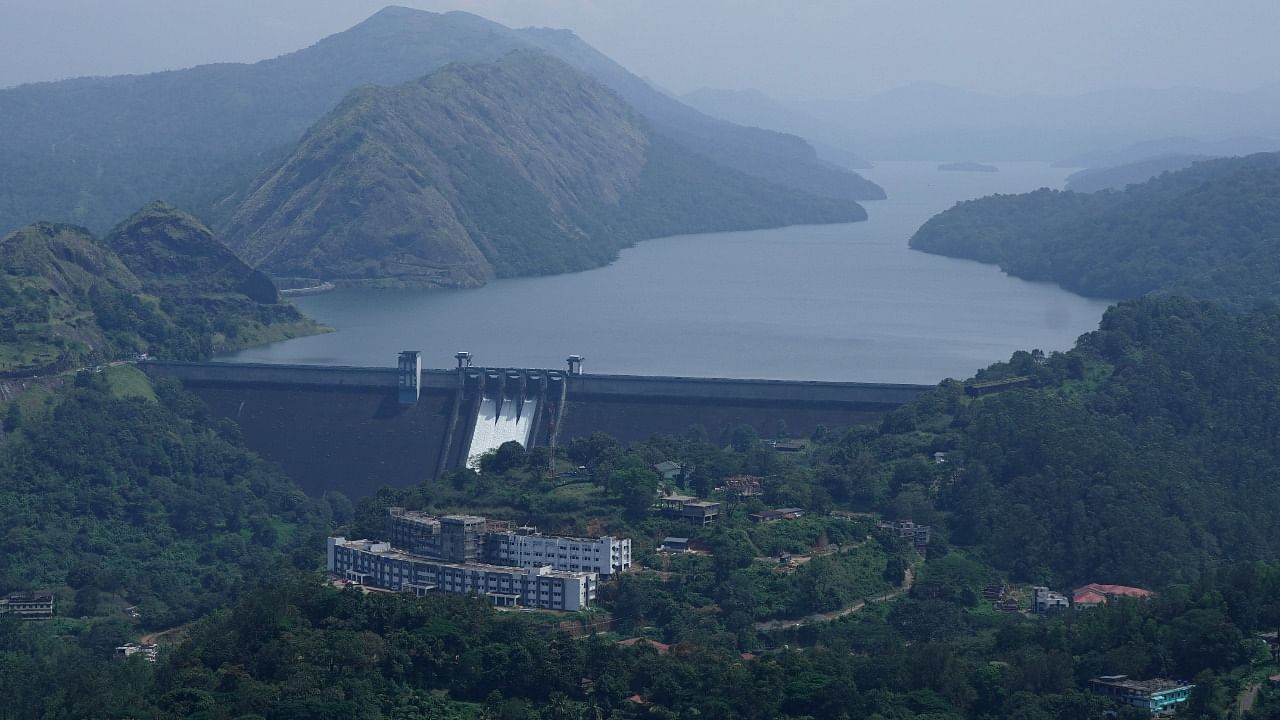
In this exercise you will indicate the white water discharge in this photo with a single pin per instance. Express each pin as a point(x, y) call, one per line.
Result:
point(493, 429)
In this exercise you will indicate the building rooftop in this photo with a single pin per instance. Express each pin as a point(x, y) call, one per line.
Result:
point(567, 538)
point(675, 539)
point(1094, 593)
point(666, 466)
point(677, 498)
point(1153, 685)
point(29, 597)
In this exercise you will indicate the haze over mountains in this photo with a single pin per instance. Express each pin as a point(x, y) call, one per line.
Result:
point(931, 121)
point(90, 150)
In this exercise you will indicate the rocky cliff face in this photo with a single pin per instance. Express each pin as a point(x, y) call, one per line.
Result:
point(521, 166)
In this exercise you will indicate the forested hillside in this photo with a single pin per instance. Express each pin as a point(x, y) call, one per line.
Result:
point(113, 493)
point(1210, 231)
point(1148, 454)
point(160, 283)
point(522, 166)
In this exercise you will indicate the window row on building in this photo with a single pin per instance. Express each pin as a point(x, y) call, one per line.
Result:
point(377, 564)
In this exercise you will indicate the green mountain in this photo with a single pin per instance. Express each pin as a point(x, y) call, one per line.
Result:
point(91, 150)
point(521, 166)
point(160, 283)
point(1210, 231)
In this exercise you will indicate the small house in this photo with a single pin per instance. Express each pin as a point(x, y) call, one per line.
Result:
point(701, 512)
point(675, 545)
point(28, 605)
point(148, 651)
point(668, 470)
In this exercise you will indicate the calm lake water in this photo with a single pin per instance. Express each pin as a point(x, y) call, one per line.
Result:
point(830, 302)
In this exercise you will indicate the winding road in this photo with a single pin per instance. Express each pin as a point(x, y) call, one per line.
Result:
point(908, 579)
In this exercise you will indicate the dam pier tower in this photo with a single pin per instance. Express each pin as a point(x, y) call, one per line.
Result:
point(410, 376)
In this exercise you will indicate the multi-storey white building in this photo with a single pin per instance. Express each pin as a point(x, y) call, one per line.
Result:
point(377, 564)
point(526, 547)
point(469, 538)
point(1044, 600)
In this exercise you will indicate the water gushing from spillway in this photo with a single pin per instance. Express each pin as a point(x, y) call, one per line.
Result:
point(495, 427)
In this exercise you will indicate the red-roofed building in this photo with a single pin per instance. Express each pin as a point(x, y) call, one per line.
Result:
point(1095, 594)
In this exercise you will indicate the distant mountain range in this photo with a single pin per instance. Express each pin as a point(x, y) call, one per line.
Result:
point(88, 151)
point(517, 167)
point(928, 121)
point(1210, 231)
point(1153, 150)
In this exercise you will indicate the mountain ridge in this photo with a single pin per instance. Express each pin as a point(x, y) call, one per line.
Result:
point(89, 151)
point(476, 171)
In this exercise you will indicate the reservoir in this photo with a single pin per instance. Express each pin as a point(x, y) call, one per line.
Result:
point(831, 302)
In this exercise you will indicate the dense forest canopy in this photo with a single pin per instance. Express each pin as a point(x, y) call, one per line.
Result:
point(1209, 231)
point(118, 494)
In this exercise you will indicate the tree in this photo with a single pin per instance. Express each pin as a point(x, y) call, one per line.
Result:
point(743, 437)
point(637, 486)
point(508, 456)
point(13, 418)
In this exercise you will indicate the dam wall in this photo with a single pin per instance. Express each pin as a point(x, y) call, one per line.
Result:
point(347, 429)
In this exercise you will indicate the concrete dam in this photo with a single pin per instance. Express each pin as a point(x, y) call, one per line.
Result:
point(355, 429)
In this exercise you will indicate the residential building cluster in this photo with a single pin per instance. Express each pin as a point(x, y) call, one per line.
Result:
point(469, 554)
point(28, 605)
point(1044, 600)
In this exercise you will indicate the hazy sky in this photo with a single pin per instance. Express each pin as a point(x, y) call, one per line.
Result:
point(792, 49)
